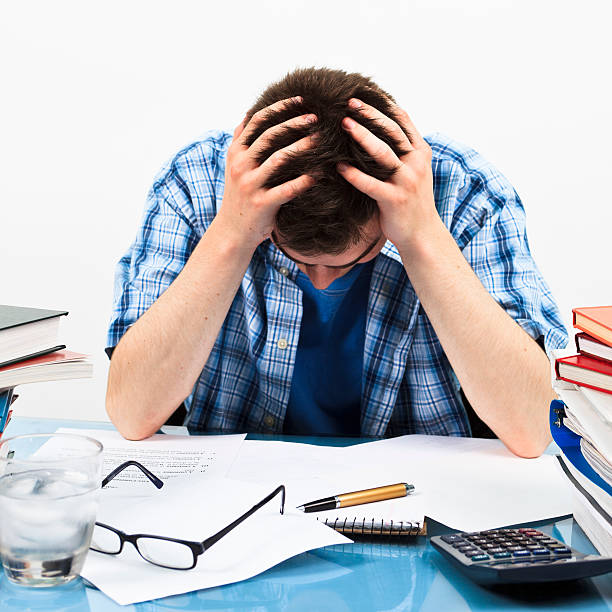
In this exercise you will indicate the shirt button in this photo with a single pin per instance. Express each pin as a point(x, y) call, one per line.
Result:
point(284, 271)
point(282, 343)
point(269, 420)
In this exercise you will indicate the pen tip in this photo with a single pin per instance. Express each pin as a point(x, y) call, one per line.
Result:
point(300, 508)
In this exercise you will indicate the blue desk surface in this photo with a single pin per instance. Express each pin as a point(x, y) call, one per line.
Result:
point(368, 575)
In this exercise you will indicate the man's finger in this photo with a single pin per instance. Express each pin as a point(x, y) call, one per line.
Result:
point(389, 125)
point(282, 156)
point(239, 129)
point(259, 116)
point(263, 141)
point(379, 150)
point(377, 190)
point(289, 190)
point(413, 134)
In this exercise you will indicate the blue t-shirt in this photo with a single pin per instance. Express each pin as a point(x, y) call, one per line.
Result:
point(326, 386)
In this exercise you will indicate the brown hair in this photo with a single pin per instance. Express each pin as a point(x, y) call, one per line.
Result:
point(329, 217)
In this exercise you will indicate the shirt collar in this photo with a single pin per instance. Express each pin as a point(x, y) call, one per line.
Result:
point(390, 250)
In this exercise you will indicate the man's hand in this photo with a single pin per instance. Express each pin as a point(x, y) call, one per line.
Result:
point(405, 201)
point(504, 374)
point(249, 209)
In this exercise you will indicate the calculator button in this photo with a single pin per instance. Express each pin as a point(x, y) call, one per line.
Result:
point(459, 544)
point(541, 552)
point(521, 553)
point(501, 555)
point(471, 552)
point(450, 538)
point(480, 557)
point(561, 551)
point(493, 551)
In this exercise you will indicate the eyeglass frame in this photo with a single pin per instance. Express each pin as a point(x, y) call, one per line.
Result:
point(197, 548)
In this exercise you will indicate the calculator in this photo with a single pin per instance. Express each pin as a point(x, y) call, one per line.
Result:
point(507, 556)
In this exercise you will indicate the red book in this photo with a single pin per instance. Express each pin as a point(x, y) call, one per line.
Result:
point(595, 321)
point(587, 345)
point(585, 371)
point(61, 365)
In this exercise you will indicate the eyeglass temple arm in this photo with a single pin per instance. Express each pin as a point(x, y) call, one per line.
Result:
point(152, 477)
point(217, 536)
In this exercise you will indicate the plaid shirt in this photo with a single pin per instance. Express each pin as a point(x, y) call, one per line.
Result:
point(408, 385)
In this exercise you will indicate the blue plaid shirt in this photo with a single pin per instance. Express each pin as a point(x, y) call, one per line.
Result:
point(408, 385)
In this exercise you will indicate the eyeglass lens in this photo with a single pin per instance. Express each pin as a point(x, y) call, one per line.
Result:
point(155, 550)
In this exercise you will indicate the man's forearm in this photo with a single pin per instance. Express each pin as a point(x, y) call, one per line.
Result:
point(503, 372)
point(159, 359)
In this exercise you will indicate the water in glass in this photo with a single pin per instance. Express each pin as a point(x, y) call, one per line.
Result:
point(44, 541)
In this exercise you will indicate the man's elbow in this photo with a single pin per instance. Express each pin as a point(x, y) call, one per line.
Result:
point(130, 429)
point(529, 446)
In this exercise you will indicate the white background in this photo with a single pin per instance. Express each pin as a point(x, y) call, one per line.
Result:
point(96, 96)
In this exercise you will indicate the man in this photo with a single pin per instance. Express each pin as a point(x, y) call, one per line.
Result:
point(327, 270)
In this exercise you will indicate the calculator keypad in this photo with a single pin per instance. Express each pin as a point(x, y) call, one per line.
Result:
point(507, 545)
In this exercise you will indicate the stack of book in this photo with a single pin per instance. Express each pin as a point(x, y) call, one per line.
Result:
point(30, 352)
point(581, 422)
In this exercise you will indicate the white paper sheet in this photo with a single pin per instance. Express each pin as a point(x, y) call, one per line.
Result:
point(588, 422)
point(312, 472)
point(167, 456)
point(194, 508)
point(466, 483)
point(472, 484)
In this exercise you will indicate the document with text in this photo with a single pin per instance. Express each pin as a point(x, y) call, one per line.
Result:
point(167, 456)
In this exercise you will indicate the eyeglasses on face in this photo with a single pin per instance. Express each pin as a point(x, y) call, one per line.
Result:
point(171, 553)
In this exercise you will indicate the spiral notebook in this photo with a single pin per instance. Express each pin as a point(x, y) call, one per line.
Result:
point(362, 525)
point(401, 516)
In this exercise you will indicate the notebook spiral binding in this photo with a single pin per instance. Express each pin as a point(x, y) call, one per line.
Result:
point(363, 526)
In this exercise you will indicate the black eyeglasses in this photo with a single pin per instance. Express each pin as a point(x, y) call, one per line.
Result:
point(160, 550)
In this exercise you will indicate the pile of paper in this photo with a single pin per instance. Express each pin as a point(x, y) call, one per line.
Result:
point(467, 484)
point(583, 430)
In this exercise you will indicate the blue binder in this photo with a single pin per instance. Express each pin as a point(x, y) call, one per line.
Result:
point(569, 443)
point(6, 399)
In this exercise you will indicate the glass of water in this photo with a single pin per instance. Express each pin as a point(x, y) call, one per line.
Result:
point(49, 487)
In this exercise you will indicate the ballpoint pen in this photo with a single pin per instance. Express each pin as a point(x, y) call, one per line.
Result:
point(358, 497)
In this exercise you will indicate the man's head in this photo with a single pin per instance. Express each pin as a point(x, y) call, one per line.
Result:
point(332, 217)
